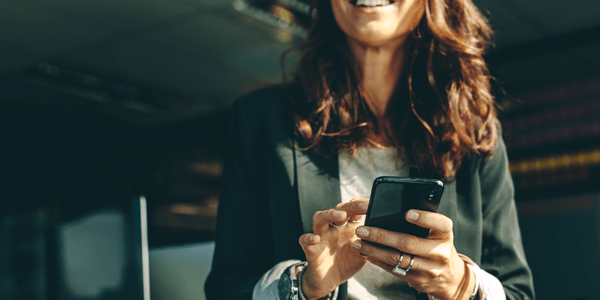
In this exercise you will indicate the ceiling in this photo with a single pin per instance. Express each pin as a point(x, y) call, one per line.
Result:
point(192, 57)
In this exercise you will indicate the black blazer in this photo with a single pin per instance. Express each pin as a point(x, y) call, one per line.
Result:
point(271, 190)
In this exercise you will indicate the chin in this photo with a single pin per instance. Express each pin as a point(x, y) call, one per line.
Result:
point(377, 38)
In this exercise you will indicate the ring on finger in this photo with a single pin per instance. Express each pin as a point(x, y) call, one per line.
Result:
point(401, 271)
point(353, 221)
point(338, 226)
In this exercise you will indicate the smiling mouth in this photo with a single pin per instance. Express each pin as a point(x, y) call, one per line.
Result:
point(371, 3)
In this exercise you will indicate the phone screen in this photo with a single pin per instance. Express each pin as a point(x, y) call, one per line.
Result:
point(392, 197)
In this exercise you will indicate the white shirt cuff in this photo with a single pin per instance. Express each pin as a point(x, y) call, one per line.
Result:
point(490, 288)
point(266, 288)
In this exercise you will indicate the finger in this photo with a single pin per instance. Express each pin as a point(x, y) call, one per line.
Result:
point(309, 239)
point(321, 219)
point(400, 241)
point(405, 263)
point(386, 256)
point(310, 243)
point(413, 277)
point(356, 208)
point(439, 224)
point(381, 264)
point(419, 276)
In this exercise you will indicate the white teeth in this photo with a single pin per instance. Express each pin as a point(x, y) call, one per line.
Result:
point(372, 2)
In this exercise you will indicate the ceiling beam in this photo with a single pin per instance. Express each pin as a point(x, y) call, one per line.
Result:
point(547, 45)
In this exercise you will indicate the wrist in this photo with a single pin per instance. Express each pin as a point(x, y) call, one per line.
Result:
point(474, 280)
point(475, 289)
point(307, 290)
point(288, 285)
point(466, 285)
point(469, 284)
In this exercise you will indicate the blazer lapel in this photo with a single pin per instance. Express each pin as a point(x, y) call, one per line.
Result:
point(318, 184)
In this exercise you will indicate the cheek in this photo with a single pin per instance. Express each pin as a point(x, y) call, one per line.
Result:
point(415, 15)
point(341, 15)
point(419, 9)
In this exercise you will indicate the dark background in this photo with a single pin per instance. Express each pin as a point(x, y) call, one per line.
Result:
point(103, 100)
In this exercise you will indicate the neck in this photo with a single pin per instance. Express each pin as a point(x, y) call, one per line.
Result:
point(380, 69)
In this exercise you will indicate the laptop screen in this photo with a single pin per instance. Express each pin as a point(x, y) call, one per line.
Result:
point(104, 255)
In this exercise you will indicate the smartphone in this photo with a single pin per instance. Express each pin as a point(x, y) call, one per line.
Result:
point(392, 197)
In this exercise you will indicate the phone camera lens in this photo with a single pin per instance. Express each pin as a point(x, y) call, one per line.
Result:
point(432, 194)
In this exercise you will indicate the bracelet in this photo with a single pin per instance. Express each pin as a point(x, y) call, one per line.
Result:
point(470, 264)
point(476, 287)
point(472, 267)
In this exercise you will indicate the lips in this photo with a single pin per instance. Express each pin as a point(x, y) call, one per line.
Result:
point(371, 3)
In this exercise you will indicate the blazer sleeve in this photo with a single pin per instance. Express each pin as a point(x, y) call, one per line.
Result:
point(502, 254)
point(244, 243)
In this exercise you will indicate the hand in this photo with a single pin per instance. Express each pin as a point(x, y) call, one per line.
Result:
point(331, 258)
point(436, 270)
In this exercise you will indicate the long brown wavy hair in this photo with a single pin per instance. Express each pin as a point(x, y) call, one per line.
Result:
point(441, 111)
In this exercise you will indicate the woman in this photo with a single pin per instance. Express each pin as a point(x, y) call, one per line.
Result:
point(383, 88)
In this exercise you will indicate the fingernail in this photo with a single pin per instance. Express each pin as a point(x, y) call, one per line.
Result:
point(357, 245)
point(362, 232)
point(364, 206)
point(312, 238)
point(337, 214)
point(413, 215)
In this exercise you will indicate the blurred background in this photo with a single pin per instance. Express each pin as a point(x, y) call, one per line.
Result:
point(104, 101)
